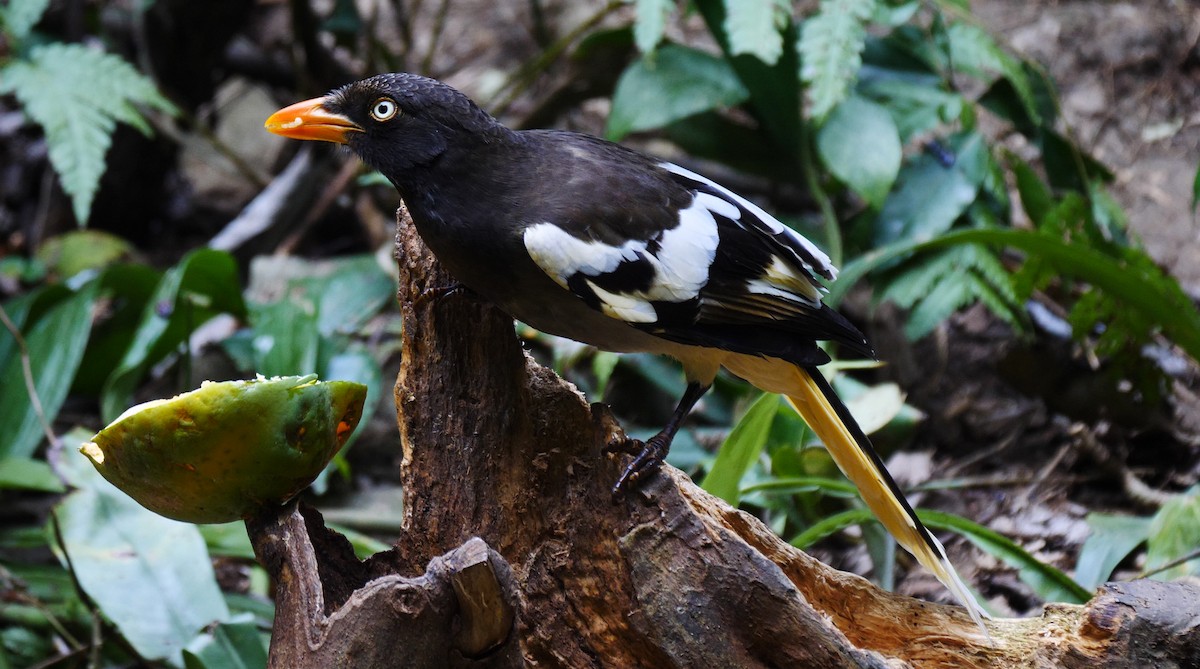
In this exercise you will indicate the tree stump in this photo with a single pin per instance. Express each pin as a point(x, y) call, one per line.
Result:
point(514, 552)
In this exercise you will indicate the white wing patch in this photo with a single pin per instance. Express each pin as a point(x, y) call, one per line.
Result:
point(825, 266)
point(562, 255)
point(680, 261)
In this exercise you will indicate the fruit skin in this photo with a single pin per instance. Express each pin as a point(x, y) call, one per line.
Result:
point(227, 449)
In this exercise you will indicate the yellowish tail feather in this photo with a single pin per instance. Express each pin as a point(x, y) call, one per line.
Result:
point(814, 400)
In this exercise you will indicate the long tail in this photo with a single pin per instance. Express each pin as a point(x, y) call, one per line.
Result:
point(814, 399)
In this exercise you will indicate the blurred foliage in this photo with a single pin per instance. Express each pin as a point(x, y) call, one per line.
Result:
point(871, 107)
point(76, 94)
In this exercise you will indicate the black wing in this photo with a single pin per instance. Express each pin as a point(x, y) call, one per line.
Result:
point(715, 271)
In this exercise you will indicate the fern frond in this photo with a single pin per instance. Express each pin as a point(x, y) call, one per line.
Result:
point(992, 297)
point(753, 28)
point(915, 282)
point(20, 16)
point(78, 95)
point(946, 298)
point(831, 44)
point(987, 265)
point(936, 285)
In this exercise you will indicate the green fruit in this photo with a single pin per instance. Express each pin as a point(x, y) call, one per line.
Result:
point(227, 449)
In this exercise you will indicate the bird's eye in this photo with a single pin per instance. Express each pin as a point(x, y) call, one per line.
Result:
point(384, 109)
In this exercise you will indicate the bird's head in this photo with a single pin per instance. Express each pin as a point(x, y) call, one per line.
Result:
point(394, 122)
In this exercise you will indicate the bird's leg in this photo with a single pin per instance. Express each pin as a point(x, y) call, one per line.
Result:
point(649, 455)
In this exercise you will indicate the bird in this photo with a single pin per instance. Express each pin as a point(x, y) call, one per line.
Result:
point(593, 241)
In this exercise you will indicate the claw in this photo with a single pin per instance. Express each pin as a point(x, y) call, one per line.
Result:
point(439, 292)
point(645, 462)
point(624, 444)
point(649, 456)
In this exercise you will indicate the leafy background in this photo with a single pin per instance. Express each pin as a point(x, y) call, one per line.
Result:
point(1013, 208)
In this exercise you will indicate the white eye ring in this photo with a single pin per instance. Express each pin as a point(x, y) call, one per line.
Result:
point(384, 109)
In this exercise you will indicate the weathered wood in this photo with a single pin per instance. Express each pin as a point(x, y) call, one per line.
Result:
point(485, 614)
point(499, 448)
point(328, 615)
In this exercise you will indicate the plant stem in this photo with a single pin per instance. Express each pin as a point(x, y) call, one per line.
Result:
point(833, 232)
point(27, 374)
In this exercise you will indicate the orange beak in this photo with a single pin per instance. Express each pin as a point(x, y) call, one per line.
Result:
point(310, 120)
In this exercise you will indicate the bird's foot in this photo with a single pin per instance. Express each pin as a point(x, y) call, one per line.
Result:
point(441, 292)
point(648, 457)
point(623, 443)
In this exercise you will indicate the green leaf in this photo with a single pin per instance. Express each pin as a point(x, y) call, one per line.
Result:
point(831, 45)
point(1140, 288)
point(28, 474)
point(1035, 195)
point(17, 309)
point(126, 289)
point(797, 484)
point(860, 145)
point(774, 89)
point(753, 28)
point(356, 290)
point(286, 339)
point(73, 252)
point(227, 540)
point(913, 284)
point(56, 342)
point(946, 297)
point(20, 16)
point(741, 448)
point(882, 549)
point(895, 13)
point(1067, 166)
point(1175, 533)
point(1196, 190)
point(909, 50)
point(1112, 539)
point(603, 365)
point(364, 545)
point(150, 576)
point(915, 100)
point(1108, 215)
point(676, 83)
point(230, 645)
point(78, 95)
point(932, 195)
point(1049, 582)
point(651, 22)
point(203, 284)
point(974, 51)
point(830, 525)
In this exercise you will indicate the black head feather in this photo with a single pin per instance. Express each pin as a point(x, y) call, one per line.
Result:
point(431, 118)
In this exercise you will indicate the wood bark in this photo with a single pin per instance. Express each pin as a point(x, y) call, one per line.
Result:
point(515, 554)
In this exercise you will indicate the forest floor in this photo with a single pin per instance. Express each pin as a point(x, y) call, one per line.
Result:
point(1129, 79)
